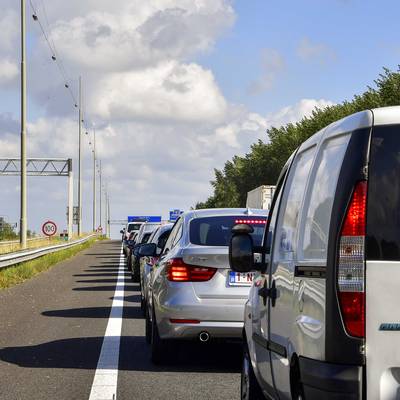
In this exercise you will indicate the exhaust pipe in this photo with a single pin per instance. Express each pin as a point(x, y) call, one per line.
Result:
point(204, 337)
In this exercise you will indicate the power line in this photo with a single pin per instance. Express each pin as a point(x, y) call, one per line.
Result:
point(54, 54)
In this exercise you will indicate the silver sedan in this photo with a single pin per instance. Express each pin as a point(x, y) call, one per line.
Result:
point(192, 292)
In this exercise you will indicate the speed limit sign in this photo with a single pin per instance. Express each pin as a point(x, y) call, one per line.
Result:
point(49, 228)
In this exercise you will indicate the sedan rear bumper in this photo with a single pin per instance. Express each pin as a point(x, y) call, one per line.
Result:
point(220, 318)
point(216, 329)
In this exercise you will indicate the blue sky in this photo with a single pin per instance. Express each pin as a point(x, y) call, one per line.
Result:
point(359, 37)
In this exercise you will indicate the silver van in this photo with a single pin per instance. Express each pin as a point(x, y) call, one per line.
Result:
point(323, 316)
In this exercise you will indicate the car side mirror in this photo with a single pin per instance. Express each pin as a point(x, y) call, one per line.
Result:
point(148, 250)
point(241, 248)
point(121, 232)
point(136, 249)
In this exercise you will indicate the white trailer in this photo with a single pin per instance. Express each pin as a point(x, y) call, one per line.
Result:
point(260, 197)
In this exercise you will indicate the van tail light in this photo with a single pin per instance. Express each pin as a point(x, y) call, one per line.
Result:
point(351, 271)
point(178, 271)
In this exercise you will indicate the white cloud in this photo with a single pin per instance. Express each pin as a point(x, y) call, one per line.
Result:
point(296, 112)
point(8, 71)
point(139, 34)
point(9, 27)
point(272, 64)
point(169, 91)
point(315, 52)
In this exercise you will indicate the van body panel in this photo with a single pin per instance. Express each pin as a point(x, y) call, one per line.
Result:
point(354, 122)
point(383, 259)
point(309, 309)
point(383, 329)
point(386, 116)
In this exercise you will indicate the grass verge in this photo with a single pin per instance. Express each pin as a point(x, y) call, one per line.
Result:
point(19, 273)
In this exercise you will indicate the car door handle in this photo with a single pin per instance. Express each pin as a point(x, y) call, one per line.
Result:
point(272, 293)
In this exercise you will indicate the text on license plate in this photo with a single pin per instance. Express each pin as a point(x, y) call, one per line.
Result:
point(240, 278)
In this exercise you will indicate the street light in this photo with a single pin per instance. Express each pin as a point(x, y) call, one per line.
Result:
point(23, 221)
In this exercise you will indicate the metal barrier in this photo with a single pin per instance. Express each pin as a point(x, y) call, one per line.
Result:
point(26, 255)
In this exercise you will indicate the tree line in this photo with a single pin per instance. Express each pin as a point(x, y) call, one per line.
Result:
point(262, 165)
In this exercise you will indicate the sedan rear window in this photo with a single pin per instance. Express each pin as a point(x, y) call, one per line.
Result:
point(134, 227)
point(216, 231)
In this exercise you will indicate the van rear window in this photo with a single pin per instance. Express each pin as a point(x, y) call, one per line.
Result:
point(383, 215)
point(216, 231)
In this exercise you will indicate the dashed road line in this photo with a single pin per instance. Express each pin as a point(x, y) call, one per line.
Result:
point(105, 380)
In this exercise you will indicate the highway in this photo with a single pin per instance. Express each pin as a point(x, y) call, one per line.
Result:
point(52, 337)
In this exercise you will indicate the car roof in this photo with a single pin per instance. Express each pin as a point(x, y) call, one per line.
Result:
point(386, 115)
point(363, 119)
point(211, 212)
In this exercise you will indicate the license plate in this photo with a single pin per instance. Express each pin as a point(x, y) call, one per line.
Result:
point(241, 278)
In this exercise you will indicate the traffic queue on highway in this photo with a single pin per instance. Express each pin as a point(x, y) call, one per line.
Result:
point(311, 286)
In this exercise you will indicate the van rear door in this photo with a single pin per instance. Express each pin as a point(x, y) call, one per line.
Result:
point(383, 265)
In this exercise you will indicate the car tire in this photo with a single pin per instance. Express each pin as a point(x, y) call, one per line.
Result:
point(148, 327)
point(160, 348)
point(249, 388)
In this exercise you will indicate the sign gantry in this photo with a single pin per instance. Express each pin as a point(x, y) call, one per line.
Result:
point(43, 167)
point(36, 166)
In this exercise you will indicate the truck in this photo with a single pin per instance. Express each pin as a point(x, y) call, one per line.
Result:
point(260, 197)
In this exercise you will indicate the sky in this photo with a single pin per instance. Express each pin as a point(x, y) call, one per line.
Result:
point(175, 88)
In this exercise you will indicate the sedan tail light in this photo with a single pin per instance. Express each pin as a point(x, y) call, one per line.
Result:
point(351, 271)
point(178, 271)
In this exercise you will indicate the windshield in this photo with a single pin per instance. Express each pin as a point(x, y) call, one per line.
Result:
point(133, 227)
point(216, 231)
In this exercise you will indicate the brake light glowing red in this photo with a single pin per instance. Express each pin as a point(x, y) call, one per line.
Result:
point(250, 221)
point(351, 269)
point(354, 224)
point(178, 271)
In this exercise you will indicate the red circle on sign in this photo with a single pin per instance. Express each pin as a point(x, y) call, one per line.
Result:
point(49, 228)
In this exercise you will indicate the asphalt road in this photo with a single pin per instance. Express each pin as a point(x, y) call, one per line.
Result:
point(52, 329)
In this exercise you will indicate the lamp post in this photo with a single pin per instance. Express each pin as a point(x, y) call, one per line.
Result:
point(23, 220)
point(80, 161)
point(100, 192)
point(94, 180)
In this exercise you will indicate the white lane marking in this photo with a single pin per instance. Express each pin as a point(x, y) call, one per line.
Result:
point(105, 380)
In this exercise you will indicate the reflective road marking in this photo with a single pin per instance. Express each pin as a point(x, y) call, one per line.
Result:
point(105, 380)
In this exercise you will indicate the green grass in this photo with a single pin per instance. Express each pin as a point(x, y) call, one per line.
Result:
point(19, 273)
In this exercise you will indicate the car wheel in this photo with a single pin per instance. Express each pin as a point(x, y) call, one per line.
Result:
point(159, 347)
point(148, 326)
point(249, 388)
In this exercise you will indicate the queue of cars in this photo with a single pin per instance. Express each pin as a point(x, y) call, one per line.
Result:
point(320, 319)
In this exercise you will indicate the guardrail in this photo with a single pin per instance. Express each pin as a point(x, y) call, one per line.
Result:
point(26, 255)
point(12, 246)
